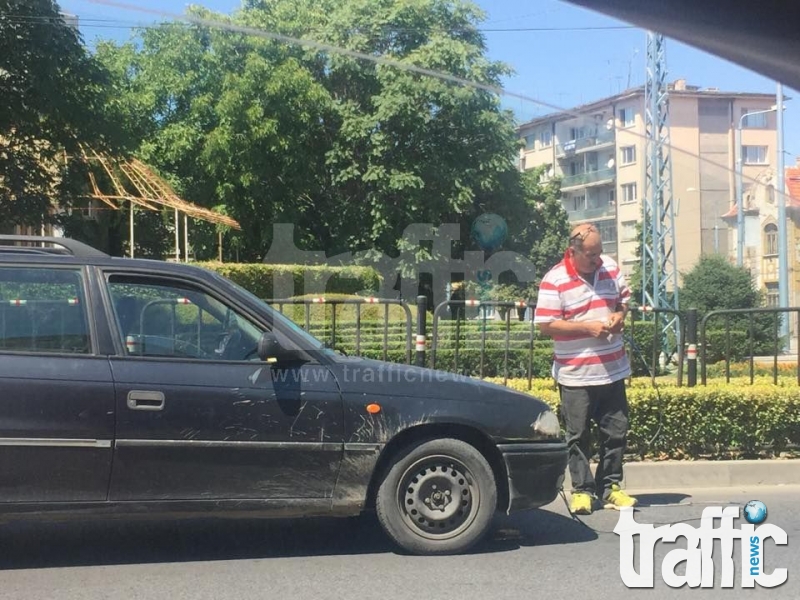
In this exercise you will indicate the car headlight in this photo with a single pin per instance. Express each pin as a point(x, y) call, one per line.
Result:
point(546, 425)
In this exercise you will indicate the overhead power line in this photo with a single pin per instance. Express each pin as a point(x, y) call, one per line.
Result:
point(120, 24)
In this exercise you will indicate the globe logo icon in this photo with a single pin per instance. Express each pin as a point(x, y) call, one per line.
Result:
point(489, 231)
point(755, 512)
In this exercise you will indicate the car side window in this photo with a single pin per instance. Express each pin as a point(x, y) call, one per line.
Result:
point(43, 310)
point(161, 318)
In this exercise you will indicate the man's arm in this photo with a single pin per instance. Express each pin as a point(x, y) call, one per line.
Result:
point(616, 322)
point(579, 328)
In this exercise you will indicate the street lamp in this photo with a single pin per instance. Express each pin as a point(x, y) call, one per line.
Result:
point(739, 191)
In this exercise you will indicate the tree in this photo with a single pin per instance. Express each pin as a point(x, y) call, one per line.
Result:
point(546, 226)
point(349, 151)
point(716, 284)
point(53, 97)
point(635, 283)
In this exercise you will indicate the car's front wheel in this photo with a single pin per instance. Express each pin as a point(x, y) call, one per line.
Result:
point(438, 497)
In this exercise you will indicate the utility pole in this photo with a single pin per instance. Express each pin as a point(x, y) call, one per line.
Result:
point(783, 243)
point(659, 264)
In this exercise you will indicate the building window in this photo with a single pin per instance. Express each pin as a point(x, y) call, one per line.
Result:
point(530, 140)
point(628, 231)
point(577, 133)
point(607, 230)
point(773, 298)
point(627, 117)
point(754, 155)
point(758, 121)
point(578, 203)
point(628, 155)
point(545, 138)
point(576, 168)
point(629, 192)
point(770, 239)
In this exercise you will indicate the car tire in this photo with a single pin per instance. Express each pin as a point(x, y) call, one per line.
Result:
point(437, 497)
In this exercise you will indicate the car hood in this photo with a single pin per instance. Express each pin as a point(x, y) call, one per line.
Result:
point(377, 378)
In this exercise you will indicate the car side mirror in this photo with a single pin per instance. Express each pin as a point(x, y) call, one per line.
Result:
point(271, 350)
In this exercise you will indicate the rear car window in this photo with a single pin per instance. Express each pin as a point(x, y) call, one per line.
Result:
point(43, 310)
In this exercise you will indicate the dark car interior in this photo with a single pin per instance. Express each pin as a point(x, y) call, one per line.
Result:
point(761, 36)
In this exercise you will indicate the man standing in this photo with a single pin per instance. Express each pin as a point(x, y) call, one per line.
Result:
point(582, 305)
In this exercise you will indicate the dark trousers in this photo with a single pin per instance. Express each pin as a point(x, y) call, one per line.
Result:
point(606, 405)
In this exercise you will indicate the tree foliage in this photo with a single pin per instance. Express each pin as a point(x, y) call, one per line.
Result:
point(350, 151)
point(53, 96)
point(715, 284)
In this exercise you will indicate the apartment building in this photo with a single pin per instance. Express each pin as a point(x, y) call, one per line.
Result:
point(598, 151)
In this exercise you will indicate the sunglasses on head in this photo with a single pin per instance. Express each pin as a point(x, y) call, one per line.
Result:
point(583, 234)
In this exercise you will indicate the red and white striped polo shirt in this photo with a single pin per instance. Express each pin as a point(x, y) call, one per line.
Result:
point(564, 294)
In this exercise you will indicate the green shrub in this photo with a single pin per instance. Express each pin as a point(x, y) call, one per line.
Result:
point(735, 345)
point(760, 369)
point(641, 352)
point(257, 278)
point(321, 312)
point(715, 421)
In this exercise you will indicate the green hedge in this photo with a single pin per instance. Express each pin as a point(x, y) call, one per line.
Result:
point(372, 315)
point(760, 369)
point(735, 420)
point(307, 279)
point(735, 345)
point(469, 341)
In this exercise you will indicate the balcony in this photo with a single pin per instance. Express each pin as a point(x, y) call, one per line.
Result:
point(591, 142)
point(601, 177)
point(591, 214)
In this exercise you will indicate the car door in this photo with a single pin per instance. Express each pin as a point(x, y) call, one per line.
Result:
point(56, 392)
point(199, 415)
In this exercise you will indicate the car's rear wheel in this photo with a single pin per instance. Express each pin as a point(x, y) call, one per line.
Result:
point(438, 497)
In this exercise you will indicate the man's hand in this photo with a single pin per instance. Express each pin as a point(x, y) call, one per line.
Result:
point(616, 322)
point(597, 328)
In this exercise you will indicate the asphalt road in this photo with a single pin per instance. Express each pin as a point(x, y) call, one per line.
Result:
point(541, 554)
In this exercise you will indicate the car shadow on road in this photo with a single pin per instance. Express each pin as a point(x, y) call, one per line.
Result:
point(118, 542)
point(537, 528)
point(35, 545)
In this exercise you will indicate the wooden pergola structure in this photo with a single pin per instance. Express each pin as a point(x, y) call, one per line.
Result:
point(136, 184)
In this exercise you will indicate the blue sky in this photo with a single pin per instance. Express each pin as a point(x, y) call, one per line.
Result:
point(557, 63)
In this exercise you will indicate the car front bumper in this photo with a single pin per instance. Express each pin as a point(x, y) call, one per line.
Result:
point(535, 473)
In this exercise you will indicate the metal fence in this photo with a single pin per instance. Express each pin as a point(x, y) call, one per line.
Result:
point(484, 338)
point(458, 317)
point(729, 350)
point(360, 334)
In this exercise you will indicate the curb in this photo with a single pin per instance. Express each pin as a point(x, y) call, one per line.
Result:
point(706, 474)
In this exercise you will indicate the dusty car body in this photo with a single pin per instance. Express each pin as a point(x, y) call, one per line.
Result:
point(135, 387)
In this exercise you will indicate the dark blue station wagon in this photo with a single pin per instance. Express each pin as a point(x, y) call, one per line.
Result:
point(145, 387)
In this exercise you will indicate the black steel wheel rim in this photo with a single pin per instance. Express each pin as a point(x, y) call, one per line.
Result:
point(438, 497)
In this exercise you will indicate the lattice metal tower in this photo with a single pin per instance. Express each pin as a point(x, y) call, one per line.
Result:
point(659, 265)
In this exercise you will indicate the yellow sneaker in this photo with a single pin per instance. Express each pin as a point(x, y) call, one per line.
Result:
point(580, 504)
point(617, 499)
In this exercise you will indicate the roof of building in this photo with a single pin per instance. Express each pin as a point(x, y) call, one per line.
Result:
point(793, 185)
point(792, 182)
point(678, 88)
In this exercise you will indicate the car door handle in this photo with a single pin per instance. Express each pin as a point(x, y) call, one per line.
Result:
point(143, 400)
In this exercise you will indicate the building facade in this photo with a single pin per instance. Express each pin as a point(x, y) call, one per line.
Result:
point(598, 151)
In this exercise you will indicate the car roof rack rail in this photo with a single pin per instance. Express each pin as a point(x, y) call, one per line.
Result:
point(35, 244)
